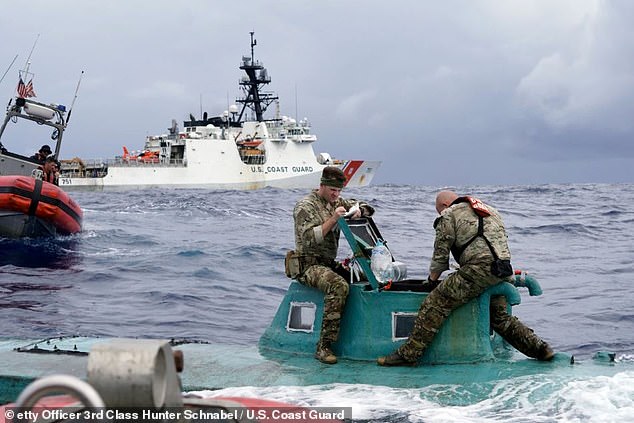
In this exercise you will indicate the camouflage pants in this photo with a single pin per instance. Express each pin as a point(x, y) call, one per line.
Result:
point(516, 333)
point(457, 289)
point(335, 289)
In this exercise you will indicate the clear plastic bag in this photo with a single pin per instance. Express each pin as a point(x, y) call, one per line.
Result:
point(381, 263)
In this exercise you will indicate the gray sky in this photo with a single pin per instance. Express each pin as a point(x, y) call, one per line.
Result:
point(443, 92)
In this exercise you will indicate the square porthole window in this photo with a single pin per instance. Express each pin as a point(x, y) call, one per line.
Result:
point(301, 317)
point(402, 325)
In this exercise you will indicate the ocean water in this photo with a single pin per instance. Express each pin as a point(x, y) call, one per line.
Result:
point(167, 263)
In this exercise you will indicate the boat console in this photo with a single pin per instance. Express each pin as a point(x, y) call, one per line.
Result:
point(48, 115)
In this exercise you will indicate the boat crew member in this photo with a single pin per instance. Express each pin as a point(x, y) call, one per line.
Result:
point(474, 234)
point(316, 243)
point(50, 170)
point(42, 154)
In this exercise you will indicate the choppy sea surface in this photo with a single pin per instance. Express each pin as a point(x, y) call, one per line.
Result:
point(167, 263)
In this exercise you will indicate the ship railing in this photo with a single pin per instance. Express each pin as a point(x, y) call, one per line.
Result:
point(152, 163)
point(121, 162)
point(99, 167)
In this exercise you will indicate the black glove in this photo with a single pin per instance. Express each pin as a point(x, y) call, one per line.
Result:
point(430, 285)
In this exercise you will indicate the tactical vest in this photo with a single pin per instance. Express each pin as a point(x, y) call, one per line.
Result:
point(501, 268)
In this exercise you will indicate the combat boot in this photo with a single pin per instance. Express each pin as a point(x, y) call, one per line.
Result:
point(394, 359)
point(325, 354)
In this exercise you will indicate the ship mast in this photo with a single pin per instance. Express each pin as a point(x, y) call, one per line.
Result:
point(255, 99)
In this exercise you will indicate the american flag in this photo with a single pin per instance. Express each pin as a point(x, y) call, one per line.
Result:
point(25, 91)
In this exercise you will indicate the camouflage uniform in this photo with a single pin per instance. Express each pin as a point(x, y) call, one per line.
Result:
point(317, 252)
point(456, 225)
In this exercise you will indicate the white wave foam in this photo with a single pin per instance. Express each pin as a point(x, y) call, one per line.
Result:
point(531, 399)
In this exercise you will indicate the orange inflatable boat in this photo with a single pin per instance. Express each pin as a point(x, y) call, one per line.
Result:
point(30, 207)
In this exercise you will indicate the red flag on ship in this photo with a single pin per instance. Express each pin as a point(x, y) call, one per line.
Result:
point(25, 91)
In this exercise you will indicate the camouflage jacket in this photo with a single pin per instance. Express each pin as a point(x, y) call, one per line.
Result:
point(456, 225)
point(309, 214)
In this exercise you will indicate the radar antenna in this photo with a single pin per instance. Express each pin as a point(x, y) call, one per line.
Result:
point(254, 98)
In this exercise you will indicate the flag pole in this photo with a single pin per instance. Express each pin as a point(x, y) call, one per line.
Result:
point(8, 69)
point(74, 98)
point(28, 59)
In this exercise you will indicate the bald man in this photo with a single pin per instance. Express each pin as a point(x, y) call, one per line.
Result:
point(484, 260)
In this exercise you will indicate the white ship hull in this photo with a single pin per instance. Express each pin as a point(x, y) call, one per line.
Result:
point(216, 164)
point(156, 176)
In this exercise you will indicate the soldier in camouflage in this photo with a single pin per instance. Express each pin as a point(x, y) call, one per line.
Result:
point(316, 245)
point(457, 233)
